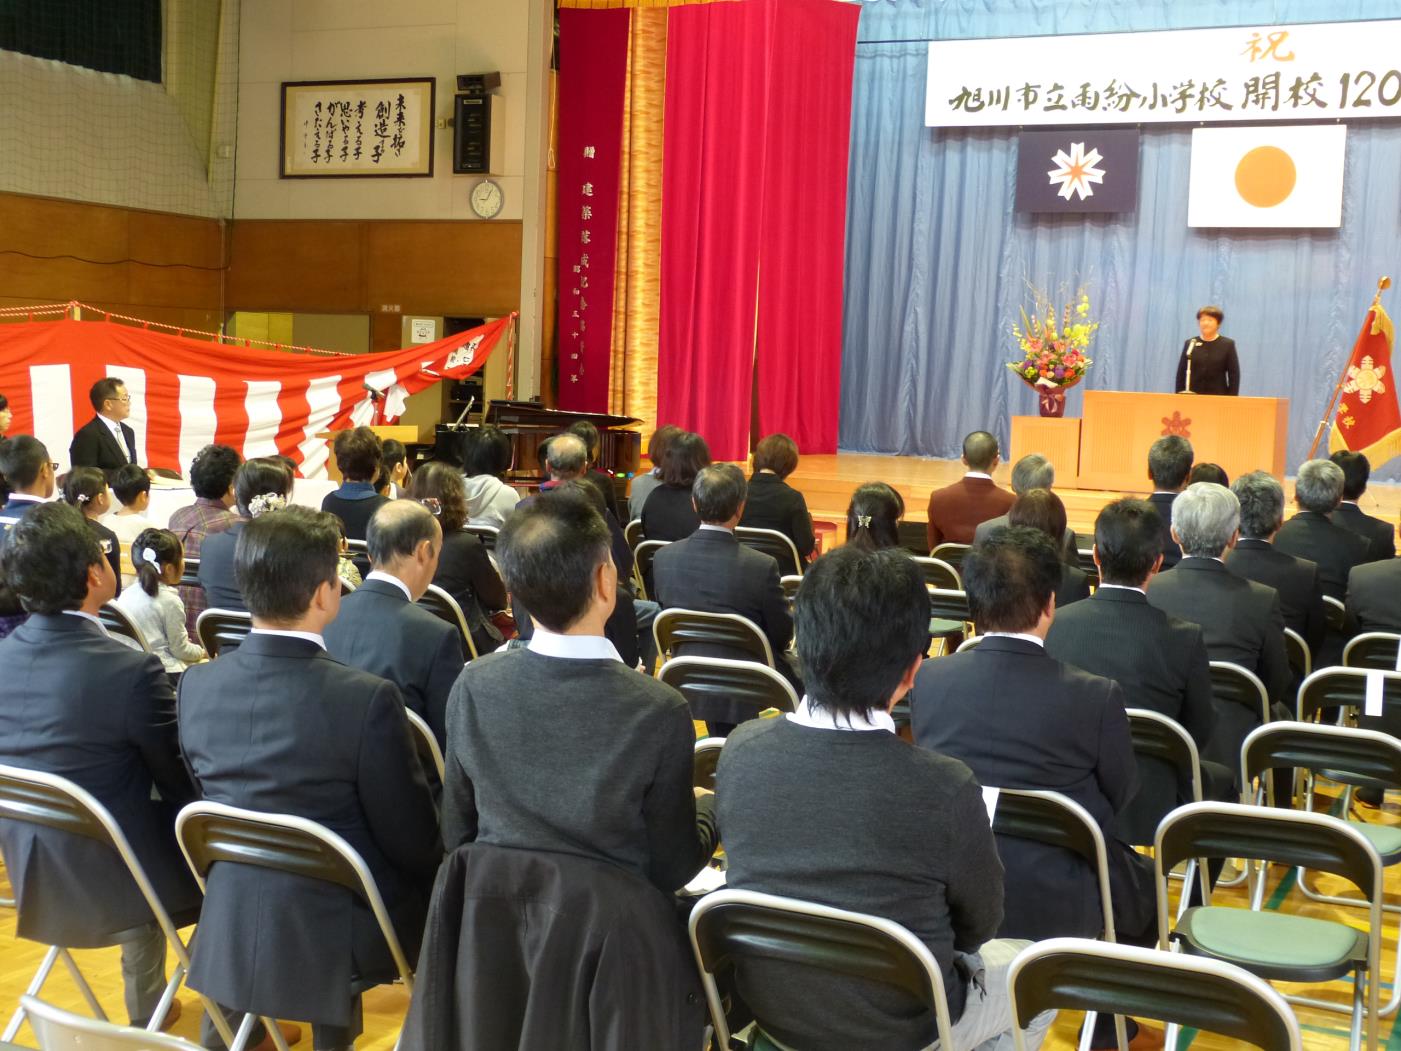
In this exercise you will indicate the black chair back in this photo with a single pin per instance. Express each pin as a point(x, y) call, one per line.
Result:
point(675, 629)
point(50, 806)
point(1347, 688)
point(443, 606)
point(1335, 615)
point(632, 533)
point(485, 533)
point(642, 556)
point(949, 604)
point(951, 553)
point(707, 757)
point(220, 630)
point(115, 620)
point(1233, 685)
point(726, 691)
point(772, 542)
point(1300, 658)
point(190, 578)
point(1373, 649)
point(939, 574)
point(210, 838)
point(1085, 559)
point(1356, 757)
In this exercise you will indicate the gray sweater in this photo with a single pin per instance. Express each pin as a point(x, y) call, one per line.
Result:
point(583, 757)
point(864, 821)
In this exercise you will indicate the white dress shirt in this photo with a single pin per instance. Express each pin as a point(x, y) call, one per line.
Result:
point(1122, 587)
point(116, 429)
point(307, 636)
point(572, 647)
point(389, 578)
point(821, 719)
point(978, 474)
point(1015, 635)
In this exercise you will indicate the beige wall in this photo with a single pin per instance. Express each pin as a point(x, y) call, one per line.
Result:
point(290, 40)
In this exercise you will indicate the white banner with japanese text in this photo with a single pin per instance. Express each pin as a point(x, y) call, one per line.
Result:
point(1343, 70)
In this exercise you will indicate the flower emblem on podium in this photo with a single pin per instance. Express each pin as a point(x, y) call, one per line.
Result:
point(1177, 424)
point(1365, 379)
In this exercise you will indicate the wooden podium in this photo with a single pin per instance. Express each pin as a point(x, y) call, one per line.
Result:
point(1240, 434)
point(405, 433)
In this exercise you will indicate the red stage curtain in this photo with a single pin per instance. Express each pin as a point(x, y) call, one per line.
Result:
point(758, 108)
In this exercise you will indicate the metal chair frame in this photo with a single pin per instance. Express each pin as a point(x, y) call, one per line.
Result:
point(1361, 651)
point(766, 540)
point(632, 533)
point(674, 673)
point(952, 554)
point(938, 573)
point(1335, 613)
point(190, 578)
point(1309, 703)
point(23, 794)
point(60, 1030)
point(898, 941)
point(663, 624)
point(642, 556)
point(485, 533)
point(1173, 845)
point(213, 617)
point(1137, 981)
point(116, 621)
point(1224, 671)
point(707, 756)
point(1159, 737)
point(1296, 647)
point(445, 607)
point(311, 833)
point(427, 743)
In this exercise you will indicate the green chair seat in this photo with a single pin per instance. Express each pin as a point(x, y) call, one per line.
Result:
point(940, 628)
point(1274, 944)
point(1386, 838)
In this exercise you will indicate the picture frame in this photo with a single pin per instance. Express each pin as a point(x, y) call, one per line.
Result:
point(339, 129)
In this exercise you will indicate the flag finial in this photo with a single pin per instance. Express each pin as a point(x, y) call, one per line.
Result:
point(1383, 283)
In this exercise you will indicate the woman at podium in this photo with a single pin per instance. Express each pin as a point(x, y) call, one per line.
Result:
point(1208, 364)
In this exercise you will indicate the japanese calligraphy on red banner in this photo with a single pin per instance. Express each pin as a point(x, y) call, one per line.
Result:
point(1348, 70)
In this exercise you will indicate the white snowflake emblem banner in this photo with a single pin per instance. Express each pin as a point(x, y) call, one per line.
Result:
point(1076, 171)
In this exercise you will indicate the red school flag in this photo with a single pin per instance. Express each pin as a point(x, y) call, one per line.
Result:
point(1368, 420)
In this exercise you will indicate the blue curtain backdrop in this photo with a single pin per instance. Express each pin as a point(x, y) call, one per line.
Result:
point(938, 264)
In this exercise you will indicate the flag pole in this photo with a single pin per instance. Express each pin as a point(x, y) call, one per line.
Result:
point(1383, 284)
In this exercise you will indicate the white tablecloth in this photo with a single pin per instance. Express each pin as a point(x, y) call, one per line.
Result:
point(165, 501)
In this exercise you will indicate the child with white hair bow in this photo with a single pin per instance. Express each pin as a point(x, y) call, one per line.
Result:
point(155, 606)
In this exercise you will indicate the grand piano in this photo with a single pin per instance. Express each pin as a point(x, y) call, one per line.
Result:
point(529, 425)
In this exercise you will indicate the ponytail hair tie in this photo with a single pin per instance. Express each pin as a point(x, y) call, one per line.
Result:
point(148, 555)
point(863, 521)
point(83, 498)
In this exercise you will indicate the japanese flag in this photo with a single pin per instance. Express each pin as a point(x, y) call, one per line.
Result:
point(1267, 176)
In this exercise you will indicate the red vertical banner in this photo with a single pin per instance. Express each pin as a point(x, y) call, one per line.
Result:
point(593, 63)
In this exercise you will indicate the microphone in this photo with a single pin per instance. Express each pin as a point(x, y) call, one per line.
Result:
point(1190, 347)
point(375, 393)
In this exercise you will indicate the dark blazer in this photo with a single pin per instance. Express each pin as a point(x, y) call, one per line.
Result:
point(774, 504)
point(1380, 533)
point(380, 631)
point(14, 510)
point(713, 572)
point(956, 510)
point(465, 572)
point(1074, 586)
point(1162, 503)
point(1018, 718)
point(279, 726)
point(1296, 580)
point(216, 569)
point(1335, 549)
point(605, 483)
point(81, 705)
point(1160, 662)
point(354, 503)
point(668, 514)
point(1374, 596)
point(588, 955)
point(1215, 367)
point(94, 445)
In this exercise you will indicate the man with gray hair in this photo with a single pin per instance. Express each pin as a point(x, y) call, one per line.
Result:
point(1256, 558)
point(1241, 621)
point(713, 572)
point(566, 456)
point(1032, 471)
point(1312, 535)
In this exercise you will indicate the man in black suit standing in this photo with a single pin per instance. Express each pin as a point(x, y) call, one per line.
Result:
point(81, 705)
point(1380, 534)
point(1311, 534)
point(27, 469)
point(381, 631)
point(1159, 660)
point(282, 727)
point(1169, 465)
point(105, 441)
point(1255, 557)
point(713, 572)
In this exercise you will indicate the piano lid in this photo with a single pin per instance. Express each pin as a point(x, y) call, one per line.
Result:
point(531, 413)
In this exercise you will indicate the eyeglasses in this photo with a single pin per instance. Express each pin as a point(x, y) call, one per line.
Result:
point(434, 505)
point(124, 399)
point(53, 465)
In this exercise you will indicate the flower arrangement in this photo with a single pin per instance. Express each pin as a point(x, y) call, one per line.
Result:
point(1054, 356)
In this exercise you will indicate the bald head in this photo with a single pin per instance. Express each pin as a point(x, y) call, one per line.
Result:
point(404, 540)
point(566, 457)
point(980, 452)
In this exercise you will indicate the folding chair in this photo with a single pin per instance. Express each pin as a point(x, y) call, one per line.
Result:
point(772, 542)
point(949, 616)
point(790, 585)
point(687, 627)
point(1335, 614)
point(1300, 657)
point(1355, 758)
point(443, 606)
point(1242, 703)
point(346, 587)
point(1085, 559)
point(213, 833)
point(632, 533)
point(485, 533)
point(359, 551)
point(726, 691)
point(425, 744)
point(707, 758)
point(190, 578)
point(969, 644)
point(729, 927)
point(60, 1030)
point(938, 573)
point(222, 629)
point(1083, 975)
point(1157, 738)
point(1058, 821)
point(115, 620)
point(1374, 649)
point(54, 802)
point(951, 553)
point(1276, 946)
point(642, 556)
point(1346, 688)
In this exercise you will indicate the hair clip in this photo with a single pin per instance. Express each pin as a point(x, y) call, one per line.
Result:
point(261, 505)
point(863, 521)
point(83, 498)
point(148, 555)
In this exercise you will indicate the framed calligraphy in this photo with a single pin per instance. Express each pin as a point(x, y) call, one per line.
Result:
point(357, 128)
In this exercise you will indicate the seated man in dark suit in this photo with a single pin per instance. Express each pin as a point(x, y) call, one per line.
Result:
point(27, 469)
point(1021, 719)
point(1169, 467)
point(1380, 534)
point(105, 441)
point(1159, 660)
point(381, 631)
point(1241, 621)
point(929, 864)
point(1374, 596)
point(1255, 557)
point(1032, 471)
point(260, 485)
point(956, 511)
point(771, 502)
point(280, 726)
point(81, 705)
point(558, 745)
point(713, 572)
point(1311, 534)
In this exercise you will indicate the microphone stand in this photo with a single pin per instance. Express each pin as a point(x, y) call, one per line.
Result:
point(1190, 347)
